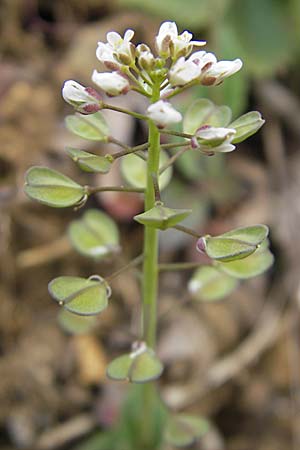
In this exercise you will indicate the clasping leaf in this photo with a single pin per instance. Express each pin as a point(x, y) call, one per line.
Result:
point(184, 430)
point(209, 284)
point(92, 127)
point(89, 162)
point(162, 217)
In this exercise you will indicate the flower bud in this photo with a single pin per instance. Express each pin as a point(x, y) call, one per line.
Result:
point(162, 113)
point(210, 140)
point(85, 99)
point(145, 57)
point(112, 83)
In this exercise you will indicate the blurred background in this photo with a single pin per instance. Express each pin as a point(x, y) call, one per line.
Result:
point(236, 362)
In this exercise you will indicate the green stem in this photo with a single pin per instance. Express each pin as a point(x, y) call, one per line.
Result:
point(178, 266)
point(150, 269)
point(176, 133)
point(93, 190)
point(125, 111)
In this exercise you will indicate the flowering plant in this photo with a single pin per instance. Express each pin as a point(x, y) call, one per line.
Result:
point(235, 255)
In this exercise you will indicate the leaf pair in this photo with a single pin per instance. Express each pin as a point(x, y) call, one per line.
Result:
point(136, 367)
point(162, 217)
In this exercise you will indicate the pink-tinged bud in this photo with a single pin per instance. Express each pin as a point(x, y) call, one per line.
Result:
point(201, 245)
point(85, 99)
point(194, 142)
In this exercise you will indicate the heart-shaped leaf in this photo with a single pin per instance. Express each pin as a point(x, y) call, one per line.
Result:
point(209, 284)
point(204, 112)
point(162, 217)
point(134, 171)
point(95, 234)
point(246, 125)
point(92, 127)
point(74, 324)
point(89, 162)
point(52, 188)
point(80, 296)
point(136, 367)
point(184, 430)
point(253, 265)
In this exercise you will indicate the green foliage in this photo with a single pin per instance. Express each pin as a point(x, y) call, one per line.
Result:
point(51, 188)
point(235, 244)
point(253, 265)
point(74, 324)
point(162, 217)
point(134, 171)
point(205, 112)
point(92, 127)
point(246, 126)
point(184, 430)
point(135, 367)
point(89, 162)
point(80, 296)
point(94, 235)
point(209, 284)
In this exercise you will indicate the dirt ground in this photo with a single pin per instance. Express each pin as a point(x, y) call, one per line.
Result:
point(236, 361)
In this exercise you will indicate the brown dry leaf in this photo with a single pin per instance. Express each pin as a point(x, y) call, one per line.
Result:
point(91, 359)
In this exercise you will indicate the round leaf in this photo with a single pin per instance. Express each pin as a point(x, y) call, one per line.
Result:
point(52, 188)
point(81, 296)
point(89, 162)
point(253, 265)
point(95, 234)
point(118, 369)
point(92, 127)
point(134, 171)
point(209, 284)
point(204, 112)
point(183, 430)
point(162, 217)
point(145, 367)
point(74, 324)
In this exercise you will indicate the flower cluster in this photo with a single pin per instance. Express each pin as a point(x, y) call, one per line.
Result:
point(129, 67)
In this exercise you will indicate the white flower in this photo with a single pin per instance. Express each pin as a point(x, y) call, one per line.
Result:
point(117, 51)
point(84, 99)
point(185, 71)
point(163, 113)
point(182, 72)
point(210, 140)
point(111, 82)
point(169, 43)
point(219, 71)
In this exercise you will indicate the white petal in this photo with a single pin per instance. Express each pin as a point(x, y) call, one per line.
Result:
point(128, 35)
point(113, 38)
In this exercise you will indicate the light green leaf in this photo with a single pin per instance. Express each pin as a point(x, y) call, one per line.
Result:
point(135, 367)
point(94, 235)
point(253, 265)
point(92, 127)
point(74, 324)
point(80, 296)
point(204, 112)
point(184, 430)
point(222, 249)
point(254, 234)
point(246, 126)
point(119, 368)
point(89, 162)
point(145, 367)
point(52, 188)
point(209, 284)
point(162, 217)
point(134, 171)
